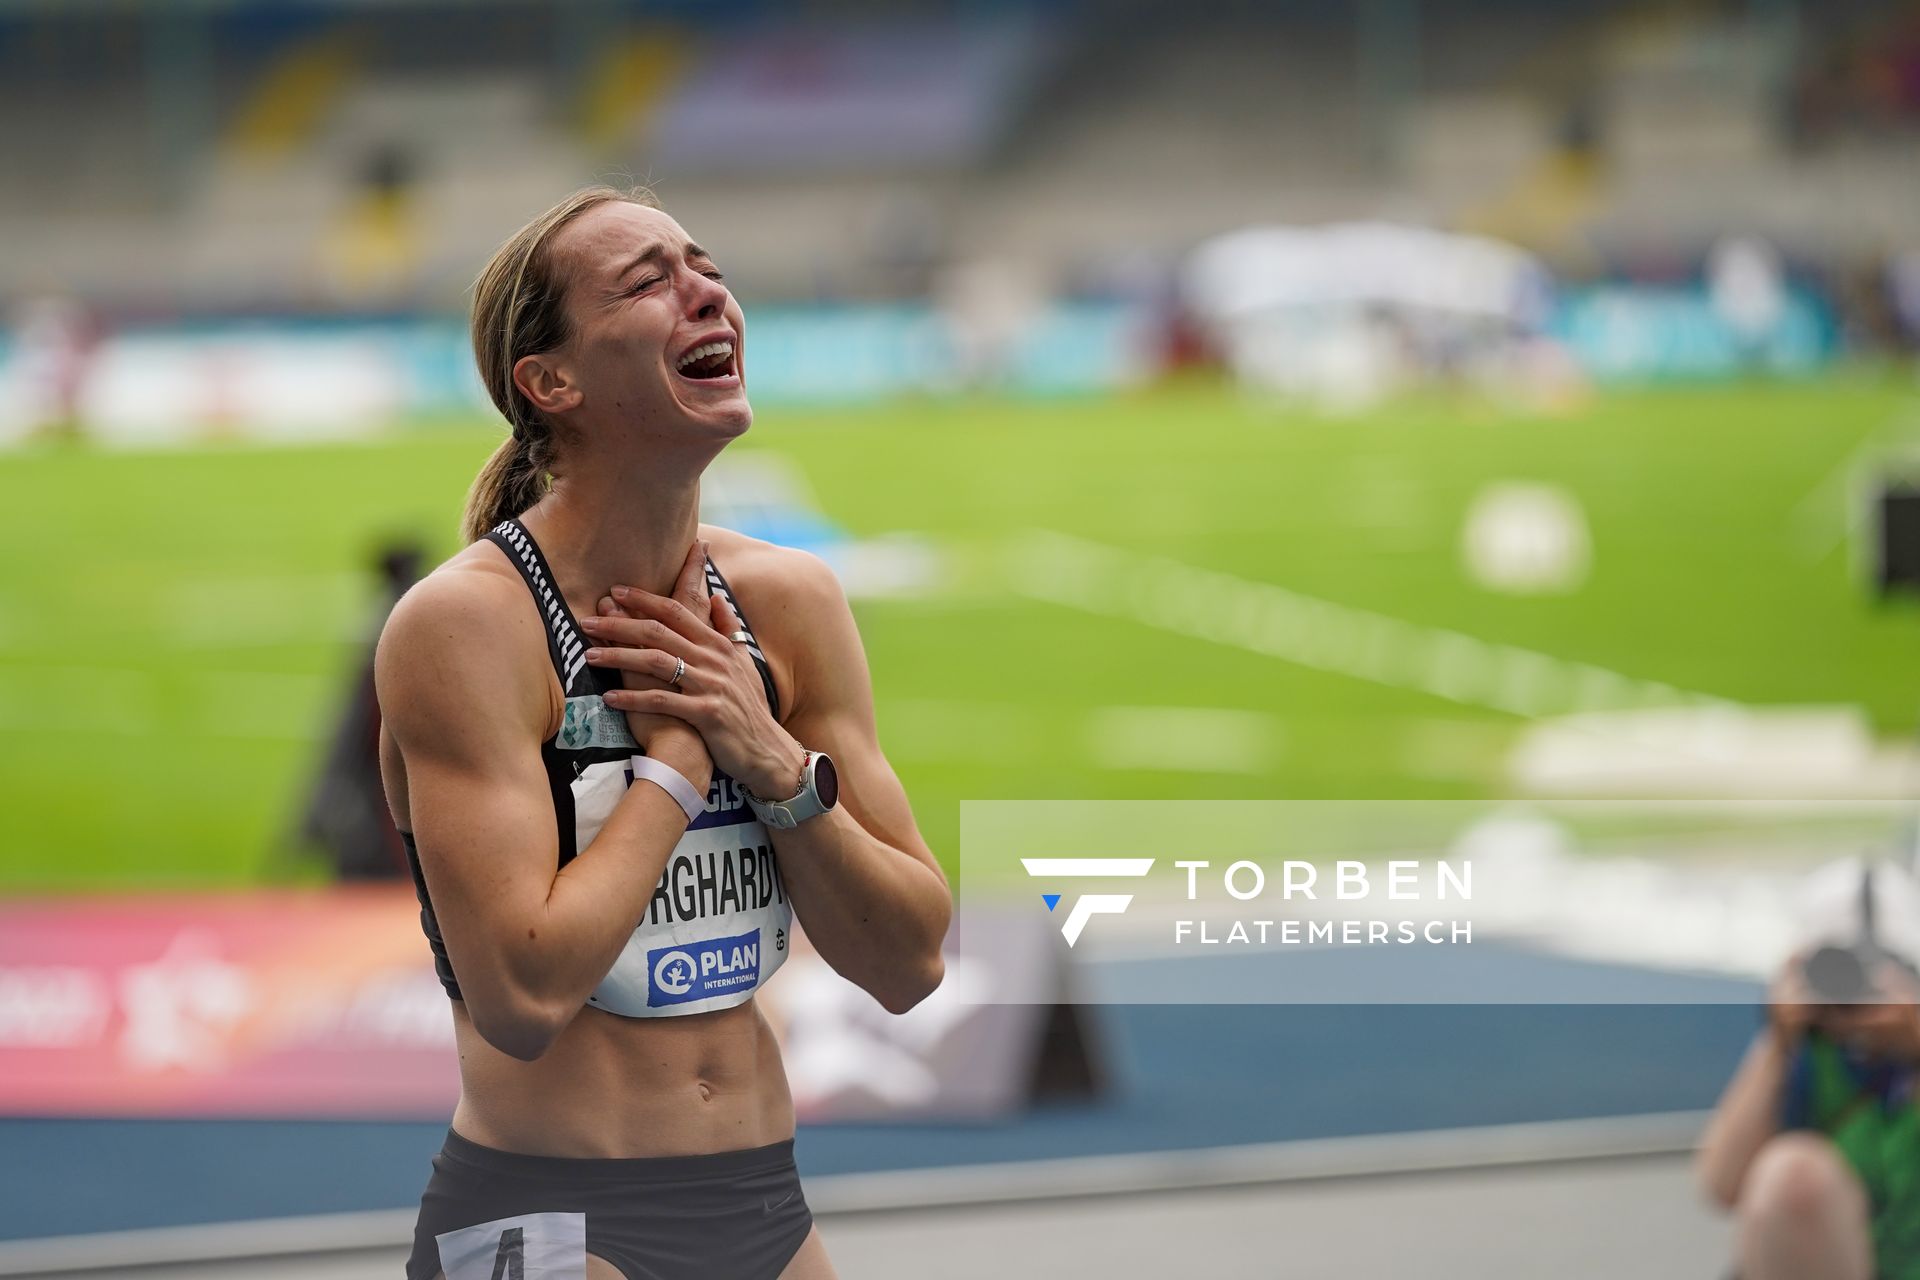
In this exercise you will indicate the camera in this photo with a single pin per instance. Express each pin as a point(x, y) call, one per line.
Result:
point(1862, 918)
point(1843, 975)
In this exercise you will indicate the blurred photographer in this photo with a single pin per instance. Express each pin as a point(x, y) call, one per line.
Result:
point(1815, 1144)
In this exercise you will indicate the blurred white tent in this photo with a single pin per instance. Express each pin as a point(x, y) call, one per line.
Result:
point(1344, 313)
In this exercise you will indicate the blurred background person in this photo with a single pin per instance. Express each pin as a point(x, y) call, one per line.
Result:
point(52, 341)
point(1815, 1145)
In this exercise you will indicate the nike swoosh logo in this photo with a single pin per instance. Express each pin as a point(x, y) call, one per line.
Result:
point(771, 1205)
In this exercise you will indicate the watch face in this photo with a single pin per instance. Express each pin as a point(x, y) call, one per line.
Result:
point(826, 782)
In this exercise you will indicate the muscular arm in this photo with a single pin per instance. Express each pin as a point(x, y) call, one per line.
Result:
point(460, 675)
point(866, 886)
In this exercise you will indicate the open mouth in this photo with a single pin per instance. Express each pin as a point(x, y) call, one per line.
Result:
point(706, 361)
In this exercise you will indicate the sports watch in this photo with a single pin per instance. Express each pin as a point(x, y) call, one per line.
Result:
point(819, 791)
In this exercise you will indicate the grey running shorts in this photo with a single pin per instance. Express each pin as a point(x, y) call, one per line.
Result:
point(500, 1215)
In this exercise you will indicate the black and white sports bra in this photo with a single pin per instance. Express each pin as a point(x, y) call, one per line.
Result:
point(718, 923)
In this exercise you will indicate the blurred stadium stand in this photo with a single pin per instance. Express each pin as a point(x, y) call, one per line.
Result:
point(354, 158)
point(937, 189)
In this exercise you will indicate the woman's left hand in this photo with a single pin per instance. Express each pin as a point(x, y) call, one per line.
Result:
point(720, 693)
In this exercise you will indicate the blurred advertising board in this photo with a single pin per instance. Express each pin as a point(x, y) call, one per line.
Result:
point(260, 1003)
point(1645, 333)
point(324, 1003)
point(291, 380)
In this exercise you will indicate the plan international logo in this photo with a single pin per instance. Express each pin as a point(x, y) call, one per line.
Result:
point(1087, 905)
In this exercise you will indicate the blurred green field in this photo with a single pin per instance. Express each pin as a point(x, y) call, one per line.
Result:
point(176, 628)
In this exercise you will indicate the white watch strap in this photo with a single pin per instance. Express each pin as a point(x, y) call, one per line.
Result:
point(673, 782)
point(788, 813)
point(773, 813)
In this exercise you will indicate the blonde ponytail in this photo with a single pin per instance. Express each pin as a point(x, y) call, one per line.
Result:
point(519, 309)
point(508, 484)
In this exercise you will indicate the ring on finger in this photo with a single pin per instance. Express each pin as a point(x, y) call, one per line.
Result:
point(679, 669)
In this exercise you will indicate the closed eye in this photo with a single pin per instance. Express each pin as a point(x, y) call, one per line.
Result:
point(647, 283)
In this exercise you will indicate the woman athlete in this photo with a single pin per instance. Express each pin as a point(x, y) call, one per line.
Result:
point(616, 795)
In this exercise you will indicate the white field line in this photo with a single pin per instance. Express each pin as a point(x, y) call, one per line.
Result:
point(1183, 739)
point(1836, 507)
point(128, 702)
point(1167, 739)
point(93, 700)
point(262, 610)
point(225, 613)
point(1158, 591)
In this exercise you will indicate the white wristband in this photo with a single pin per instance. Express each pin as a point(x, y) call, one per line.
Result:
point(672, 781)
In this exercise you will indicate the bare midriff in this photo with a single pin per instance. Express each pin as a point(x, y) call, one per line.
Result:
point(617, 1087)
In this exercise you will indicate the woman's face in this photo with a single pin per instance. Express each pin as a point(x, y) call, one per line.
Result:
point(656, 337)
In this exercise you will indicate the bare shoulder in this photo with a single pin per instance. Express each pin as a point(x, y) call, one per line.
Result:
point(466, 631)
point(780, 579)
point(470, 590)
point(792, 599)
